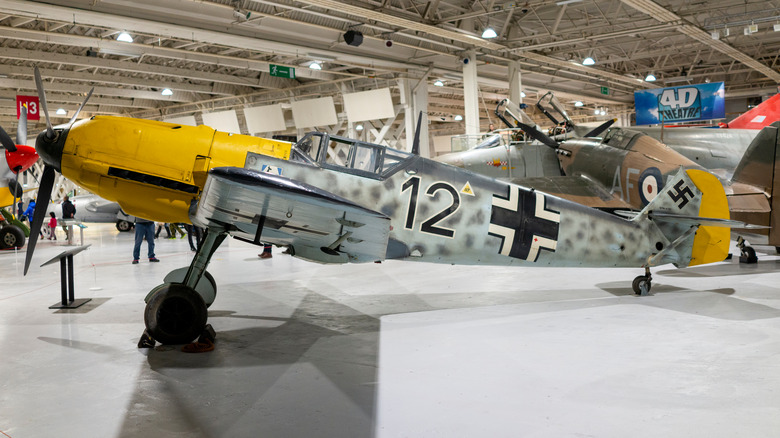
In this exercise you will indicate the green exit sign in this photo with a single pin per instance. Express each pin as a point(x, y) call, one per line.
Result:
point(605, 91)
point(281, 71)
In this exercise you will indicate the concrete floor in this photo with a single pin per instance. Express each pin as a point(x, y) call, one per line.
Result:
point(391, 350)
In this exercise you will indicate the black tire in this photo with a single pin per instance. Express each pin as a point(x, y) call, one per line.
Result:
point(11, 237)
point(123, 225)
point(750, 253)
point(638, 282)
point(175, 314)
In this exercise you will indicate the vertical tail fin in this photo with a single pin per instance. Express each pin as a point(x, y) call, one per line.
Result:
point(689, 199)
point(760, 167)
point(760, 116)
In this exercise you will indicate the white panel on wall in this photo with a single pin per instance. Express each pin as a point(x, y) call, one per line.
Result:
point(225, 121)
point(369, 105)
point(183, 120)
point(314, 112)
point(265, 119)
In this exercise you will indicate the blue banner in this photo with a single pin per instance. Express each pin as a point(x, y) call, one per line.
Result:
point(680, 104)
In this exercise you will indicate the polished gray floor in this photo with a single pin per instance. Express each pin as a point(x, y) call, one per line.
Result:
point(391, 350)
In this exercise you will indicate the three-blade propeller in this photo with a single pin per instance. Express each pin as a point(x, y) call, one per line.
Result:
point(47, 179)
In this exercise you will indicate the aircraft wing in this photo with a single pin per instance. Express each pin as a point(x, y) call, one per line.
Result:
point(316, 224)
point(575, 188)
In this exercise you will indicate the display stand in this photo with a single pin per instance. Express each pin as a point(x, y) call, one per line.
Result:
point(69, 232)
point(66, 279)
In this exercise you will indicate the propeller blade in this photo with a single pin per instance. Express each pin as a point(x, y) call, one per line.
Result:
point(416, 143)
point(21, 129)
point(73, 119)
point(601, 128)
point(44, 195)
point(6, 141)
point(42, 98)
point(533, 132)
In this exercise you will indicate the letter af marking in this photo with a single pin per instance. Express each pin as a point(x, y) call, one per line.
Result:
point(524, 224)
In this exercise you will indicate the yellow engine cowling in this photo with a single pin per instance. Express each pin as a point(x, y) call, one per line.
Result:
point(153, 169)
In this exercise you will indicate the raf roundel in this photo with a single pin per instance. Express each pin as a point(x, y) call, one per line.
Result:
point(650, 183)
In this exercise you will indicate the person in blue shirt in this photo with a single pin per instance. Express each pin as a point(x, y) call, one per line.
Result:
point(30, 210)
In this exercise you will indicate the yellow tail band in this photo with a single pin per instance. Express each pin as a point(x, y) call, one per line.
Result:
point(710, 244)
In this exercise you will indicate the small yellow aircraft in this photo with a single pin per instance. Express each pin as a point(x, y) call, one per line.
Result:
point(376, 204)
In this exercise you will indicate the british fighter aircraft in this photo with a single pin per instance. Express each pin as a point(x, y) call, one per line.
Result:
point(372, 204)
point(626, 169)
point(718, 148)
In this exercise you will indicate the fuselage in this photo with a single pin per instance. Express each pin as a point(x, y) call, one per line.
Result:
point(712, 148)
point(448, 215)
point(154, 170)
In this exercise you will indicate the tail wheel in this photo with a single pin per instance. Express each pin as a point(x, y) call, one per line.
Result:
point(11, 237)
point(175, 314)
point(641, 285)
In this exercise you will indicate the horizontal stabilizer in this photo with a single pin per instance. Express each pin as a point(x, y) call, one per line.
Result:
point(704, 221)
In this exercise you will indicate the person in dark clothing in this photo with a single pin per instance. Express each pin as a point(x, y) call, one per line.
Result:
point(197, 233)
point(68, 212)
point(68, 209)
point(144, 229)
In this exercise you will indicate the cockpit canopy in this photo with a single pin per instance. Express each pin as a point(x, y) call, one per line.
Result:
point(621, 138)
point(364, 159)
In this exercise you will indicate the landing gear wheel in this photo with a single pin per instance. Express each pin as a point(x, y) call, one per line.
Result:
point(123, 225)
point(175, 314)
point(748, 255)
point(641, 285)
point(206, 287)
point(11, 237)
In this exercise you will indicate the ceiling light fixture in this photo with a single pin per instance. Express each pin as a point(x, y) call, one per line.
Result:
point(588, 61)
point(596, 111)
point(315, 65)
point(458, 117)
point(166, 92)
point(240, 15)
point(578, 103)
point(489, 33)
point(124, 37)
point(359, 127)
point(650, 77)
point(438, 83)
point(61, 112)
point(353, 37)
point(522, 94)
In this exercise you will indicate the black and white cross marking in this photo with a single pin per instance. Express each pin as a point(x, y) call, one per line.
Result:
point(681, 194)
point(524, 223)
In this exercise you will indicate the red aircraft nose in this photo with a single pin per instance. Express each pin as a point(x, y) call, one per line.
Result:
point(25, 156)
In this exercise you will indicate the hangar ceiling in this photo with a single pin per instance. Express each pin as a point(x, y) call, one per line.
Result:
point(212, 57)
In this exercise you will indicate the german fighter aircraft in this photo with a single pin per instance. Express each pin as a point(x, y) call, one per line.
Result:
point(372, 204)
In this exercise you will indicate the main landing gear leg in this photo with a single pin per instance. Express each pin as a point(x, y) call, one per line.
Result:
point(642, 284)
point(176, 311)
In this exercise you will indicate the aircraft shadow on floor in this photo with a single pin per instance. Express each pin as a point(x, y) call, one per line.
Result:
point(724, 269)
point(713, 303)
